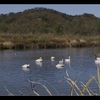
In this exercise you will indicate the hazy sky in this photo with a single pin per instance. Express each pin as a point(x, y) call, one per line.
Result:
point(71, 9)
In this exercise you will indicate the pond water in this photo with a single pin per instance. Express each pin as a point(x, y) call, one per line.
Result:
point(12, 76)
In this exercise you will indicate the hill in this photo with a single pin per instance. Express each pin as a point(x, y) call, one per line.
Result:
point(42, 20)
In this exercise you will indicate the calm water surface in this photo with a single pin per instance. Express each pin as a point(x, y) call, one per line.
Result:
point(81, 68)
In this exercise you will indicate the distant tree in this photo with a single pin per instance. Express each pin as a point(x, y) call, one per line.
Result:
point(59, 29)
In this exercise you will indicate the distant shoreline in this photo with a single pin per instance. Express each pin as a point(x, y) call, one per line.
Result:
point(45, 41)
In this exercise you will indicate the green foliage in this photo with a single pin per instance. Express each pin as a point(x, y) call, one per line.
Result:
point(59, 29)
point(43, 20)
point(86, 85)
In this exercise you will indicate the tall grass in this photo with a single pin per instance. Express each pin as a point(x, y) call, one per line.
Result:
point(24, 41)
point(77, 90)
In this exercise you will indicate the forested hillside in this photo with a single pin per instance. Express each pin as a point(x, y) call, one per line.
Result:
point(43, 20)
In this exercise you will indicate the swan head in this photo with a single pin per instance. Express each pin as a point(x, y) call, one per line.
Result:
point(40, 58)
point(52, 58)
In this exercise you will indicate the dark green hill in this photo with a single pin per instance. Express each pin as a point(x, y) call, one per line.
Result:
point(43, 20)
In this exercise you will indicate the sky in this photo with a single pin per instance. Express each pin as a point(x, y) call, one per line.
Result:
point(70, 9)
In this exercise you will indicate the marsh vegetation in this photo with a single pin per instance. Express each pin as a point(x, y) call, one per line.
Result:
point(29, 41)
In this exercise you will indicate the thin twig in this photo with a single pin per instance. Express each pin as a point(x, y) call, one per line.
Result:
point(42, 86)
point(51, 86)
point(9, 92)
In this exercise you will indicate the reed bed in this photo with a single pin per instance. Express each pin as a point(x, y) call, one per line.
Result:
point(31, 41)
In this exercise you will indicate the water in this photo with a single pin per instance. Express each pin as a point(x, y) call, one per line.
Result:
point(81, 68)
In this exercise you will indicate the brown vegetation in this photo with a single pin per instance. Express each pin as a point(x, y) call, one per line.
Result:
point(45, 41)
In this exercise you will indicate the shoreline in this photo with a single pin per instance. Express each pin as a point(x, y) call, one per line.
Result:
point(46, 41)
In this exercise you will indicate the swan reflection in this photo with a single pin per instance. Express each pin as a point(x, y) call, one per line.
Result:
point(67, 62)
point(39, 63)
point(25, 69)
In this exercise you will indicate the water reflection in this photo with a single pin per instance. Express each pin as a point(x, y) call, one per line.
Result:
point(25, 69)
point(52, 63)
point(38, 64)
point(67, 62)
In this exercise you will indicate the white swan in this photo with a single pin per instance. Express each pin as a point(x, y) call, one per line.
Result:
point(52, 58)
point(98, 58)
point(26, 66)
point(67, 60)
point(61, 61)
point(39, 60)
point(60, 65)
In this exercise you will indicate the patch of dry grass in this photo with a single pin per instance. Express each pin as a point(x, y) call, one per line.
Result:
point(46, 41)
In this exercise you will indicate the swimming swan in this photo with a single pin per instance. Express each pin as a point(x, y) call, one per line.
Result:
point(52, 58)
point(61, 61)
point(26, 66)
point(60, 65)
point(97, 58)
point(67, 60)
point(40, 59)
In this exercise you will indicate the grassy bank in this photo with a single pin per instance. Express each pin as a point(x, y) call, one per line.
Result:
point(35, 41)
